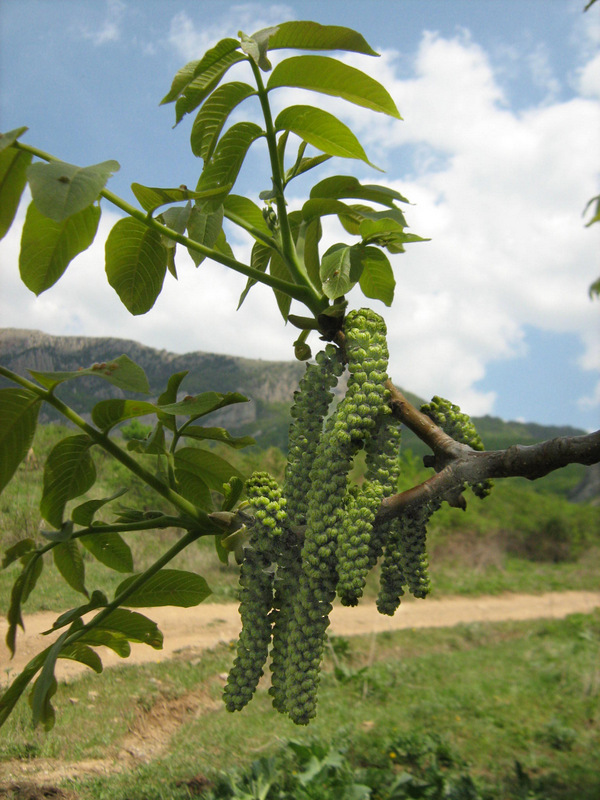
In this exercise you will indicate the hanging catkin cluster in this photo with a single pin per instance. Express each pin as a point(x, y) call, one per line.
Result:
point(319, 535)
point(460, 427)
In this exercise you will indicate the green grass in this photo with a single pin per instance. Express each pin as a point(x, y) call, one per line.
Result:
point(470, 700)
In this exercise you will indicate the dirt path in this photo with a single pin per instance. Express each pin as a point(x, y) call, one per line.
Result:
point(196, 629)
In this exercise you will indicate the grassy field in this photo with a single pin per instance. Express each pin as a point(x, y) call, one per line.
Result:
point(506, 710)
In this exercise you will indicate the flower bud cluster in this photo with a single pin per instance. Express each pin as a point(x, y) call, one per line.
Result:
point(460, 427)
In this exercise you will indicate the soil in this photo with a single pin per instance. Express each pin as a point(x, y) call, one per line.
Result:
point(188, 632)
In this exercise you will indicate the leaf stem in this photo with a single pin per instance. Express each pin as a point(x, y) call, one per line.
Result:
point(295, 267)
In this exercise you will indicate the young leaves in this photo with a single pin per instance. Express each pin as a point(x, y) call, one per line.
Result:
point(13, 177)
point(69, 472)
point(121, 372)
point(332, 77)
point(136, 264)
point(168, 587)
point(60, 190)
point(198, 78)
point(48, 246)
point(213, 115)
point(322, 130)
point(19, 411)
point(305, 35)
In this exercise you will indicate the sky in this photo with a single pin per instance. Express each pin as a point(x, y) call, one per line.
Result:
point(498, 152)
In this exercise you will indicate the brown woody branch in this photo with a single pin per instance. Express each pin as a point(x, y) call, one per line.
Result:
point(457, 464)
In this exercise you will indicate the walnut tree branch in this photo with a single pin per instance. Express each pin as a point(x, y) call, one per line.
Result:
point(458, 465)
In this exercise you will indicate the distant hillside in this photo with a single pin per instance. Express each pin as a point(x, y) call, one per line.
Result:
point(269, 385)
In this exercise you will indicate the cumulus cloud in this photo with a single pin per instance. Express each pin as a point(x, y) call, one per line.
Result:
point(499, 191)
point(110, 28)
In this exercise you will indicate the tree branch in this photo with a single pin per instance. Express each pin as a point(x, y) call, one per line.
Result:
point(457, 464)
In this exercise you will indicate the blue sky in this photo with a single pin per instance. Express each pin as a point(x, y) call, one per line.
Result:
point(498, 151)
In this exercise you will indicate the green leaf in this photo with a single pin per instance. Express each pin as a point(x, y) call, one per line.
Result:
point(310, 237)
point(48, 246)
point(83, 654)
point(12, 554)
point(304, 165)
point(257, 47)
point(332, 77)
point(69, 562)
point(322, 130)
point(259, 260)
point(19, 409)
point(97, 600)
point(247, 211)
point(278, 269)
point(136, 264)
point(204, 228)
point(100, 638)
point(108, 413)
point(45, 688)
point(202, 75)
point(69, 472)
point(154, 443)
point(121, 372)
point(60, 190)
point(11, 696)
point(340, 270)
point(13, 177)
point(109, 549)
point(596, 217)
point(377, 278)
point(133, 626)
point(213, 115)
point(197, 471)
point(207, 76)
point(170, 393)
point(33, 563)
point(195, 406)
point(218, 435)
point(168, 587)
point(222, 170)
point(10, 137)
point(346, 186)
point(152, 197)
point(305, 35)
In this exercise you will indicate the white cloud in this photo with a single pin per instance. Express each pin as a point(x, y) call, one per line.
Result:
point(110, 29)
point(499, 192)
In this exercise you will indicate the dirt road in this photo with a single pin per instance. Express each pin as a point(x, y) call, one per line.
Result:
point(196, 629)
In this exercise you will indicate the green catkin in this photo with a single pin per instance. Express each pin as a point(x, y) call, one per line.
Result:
point(256, 589)
point(391, 579)
point(349, 428)
point(311, 403)
point(460, 427)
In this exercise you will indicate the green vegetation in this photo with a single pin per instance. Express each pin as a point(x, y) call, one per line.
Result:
point(519, 540)
point(477, 712)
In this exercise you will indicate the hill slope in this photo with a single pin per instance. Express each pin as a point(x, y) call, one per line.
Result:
point(268, 384)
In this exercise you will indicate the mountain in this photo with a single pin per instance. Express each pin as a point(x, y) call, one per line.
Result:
point(268, 384)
